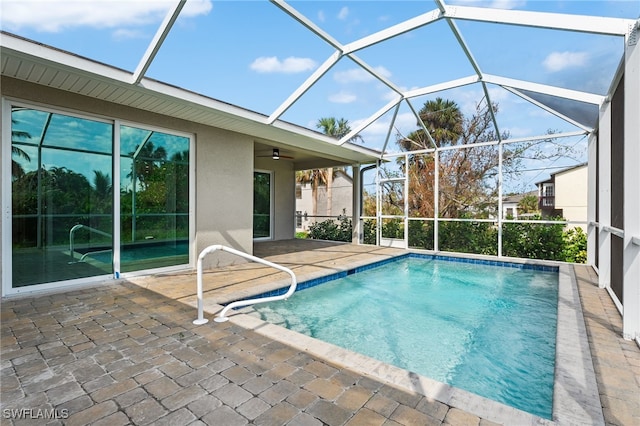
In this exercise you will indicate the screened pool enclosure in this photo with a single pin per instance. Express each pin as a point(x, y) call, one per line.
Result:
point(468, 127)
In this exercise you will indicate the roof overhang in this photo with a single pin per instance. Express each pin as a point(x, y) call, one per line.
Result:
point(40, 64)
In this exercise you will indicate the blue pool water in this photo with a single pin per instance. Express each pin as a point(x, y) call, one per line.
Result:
point(487, 329)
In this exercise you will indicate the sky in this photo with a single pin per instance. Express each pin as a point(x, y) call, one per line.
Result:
point(252, 54)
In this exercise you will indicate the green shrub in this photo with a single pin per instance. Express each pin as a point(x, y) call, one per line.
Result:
point(393, 228)
point(421, 234)
point(369, 231)
point(533, 241)
point(332, 231)
point(575, 246)
point(468, 237)
point(526, 240)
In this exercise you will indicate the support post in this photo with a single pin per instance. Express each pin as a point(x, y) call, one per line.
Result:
point(631, 253)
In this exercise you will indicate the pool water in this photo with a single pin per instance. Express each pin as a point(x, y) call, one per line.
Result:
point(487, 329)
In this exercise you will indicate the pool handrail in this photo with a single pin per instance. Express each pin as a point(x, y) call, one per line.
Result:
point(72, 232)
point(239, 303)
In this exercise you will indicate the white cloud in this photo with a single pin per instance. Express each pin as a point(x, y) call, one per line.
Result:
point(344, 12)
point(56, 15)
point(342, 97)
point(321, 16)
point(359, 75)
point(289, 65)
point(557, 61)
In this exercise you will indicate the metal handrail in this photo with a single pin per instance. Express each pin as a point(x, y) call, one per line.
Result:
point(72, 232)
point(222, 315)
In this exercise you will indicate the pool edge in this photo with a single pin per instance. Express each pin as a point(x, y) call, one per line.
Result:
point(572, 404)
point(574, 365)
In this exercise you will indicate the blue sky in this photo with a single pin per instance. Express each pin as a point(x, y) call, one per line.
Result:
point(252, 54)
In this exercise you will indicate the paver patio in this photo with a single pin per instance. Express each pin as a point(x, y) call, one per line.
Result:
point(120, 353)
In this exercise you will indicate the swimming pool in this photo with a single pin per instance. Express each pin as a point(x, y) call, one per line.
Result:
point(484, 328)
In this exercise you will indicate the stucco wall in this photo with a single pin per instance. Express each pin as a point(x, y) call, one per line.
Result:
point(224, 168)
point(571, 194)
point(224, 193)
point(341, 200)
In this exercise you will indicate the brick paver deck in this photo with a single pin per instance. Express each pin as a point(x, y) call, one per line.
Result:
point(119, 354)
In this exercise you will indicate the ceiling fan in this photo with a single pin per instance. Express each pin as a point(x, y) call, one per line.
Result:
point(276, 155)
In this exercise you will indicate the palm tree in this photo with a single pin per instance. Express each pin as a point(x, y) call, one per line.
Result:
point(16, 169)
point(315, 177)
point(442, 118)
point(145, 161)
point(102, 184)
point(337, 128)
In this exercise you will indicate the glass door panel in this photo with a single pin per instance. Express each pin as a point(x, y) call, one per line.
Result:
point(62, 201)
point(154, 199)
point(261, 205)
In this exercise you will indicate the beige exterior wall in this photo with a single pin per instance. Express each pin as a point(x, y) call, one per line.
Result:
point(571, 194)
point(224, 170)
point(341, 204)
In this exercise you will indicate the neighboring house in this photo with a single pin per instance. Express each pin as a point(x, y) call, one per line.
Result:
point(564, 194)
point(341, 201)
point(510, 205)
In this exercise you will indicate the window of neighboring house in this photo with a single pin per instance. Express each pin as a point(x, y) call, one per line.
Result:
point(298, 192)
point(298, 218)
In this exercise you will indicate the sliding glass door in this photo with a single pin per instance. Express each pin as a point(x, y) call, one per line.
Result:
point(262, 205)
point(72, 219)
point(62, 203)
point(154, 199)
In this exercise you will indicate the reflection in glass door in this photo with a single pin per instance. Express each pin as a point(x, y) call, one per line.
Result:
point(62, 198)
point(62, 203)
point(154, 199)
point(262, 189)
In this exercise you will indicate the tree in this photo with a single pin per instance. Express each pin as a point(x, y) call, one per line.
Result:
point(528, 204)
point(337, 128)
point(315, 177)
point(442, 118)
point(145, 161)
point(102, 189)
point(16, 169)
point(467, 183)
